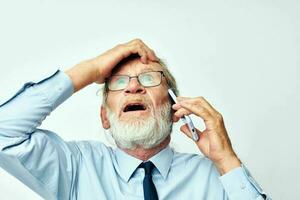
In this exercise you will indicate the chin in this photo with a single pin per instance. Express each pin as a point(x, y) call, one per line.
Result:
point(134, 120)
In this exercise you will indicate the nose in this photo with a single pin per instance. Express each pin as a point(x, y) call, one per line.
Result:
point(134, 87)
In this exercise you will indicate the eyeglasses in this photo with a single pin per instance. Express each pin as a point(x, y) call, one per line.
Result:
point(146, 79)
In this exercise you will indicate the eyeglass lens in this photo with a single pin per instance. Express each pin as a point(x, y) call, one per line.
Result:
point(146, 79)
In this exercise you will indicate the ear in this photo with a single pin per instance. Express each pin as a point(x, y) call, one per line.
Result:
point(104, 119)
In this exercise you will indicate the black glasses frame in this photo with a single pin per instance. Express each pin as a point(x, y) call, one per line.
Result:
point(130, 77)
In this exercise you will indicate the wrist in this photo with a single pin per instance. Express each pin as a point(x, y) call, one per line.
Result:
point(82, 74)
point(227, 164)
point(98, 67)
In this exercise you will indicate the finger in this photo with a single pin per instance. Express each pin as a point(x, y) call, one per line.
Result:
point(144, 55)
point(147, 52)
point(150, 53)
point(139, 49)
point(200, 111)
point(131, 48)
point(144, 59)
point(142, 51)
point(201, 101)
point(175, 118)
point(134, 47)
point(181, 112)
point(207, 105)
point(176, 106)
point(180, 98)
point(153, 56)
point(185, 129)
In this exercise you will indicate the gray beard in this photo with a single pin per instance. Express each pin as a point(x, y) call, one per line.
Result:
point(140, 132)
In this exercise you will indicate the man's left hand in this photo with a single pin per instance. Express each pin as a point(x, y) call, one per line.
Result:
point(213, 142)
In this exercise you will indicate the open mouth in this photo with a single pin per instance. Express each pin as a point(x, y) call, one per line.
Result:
point(134, 107)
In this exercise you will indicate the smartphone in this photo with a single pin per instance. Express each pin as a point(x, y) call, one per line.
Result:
point(186, 119)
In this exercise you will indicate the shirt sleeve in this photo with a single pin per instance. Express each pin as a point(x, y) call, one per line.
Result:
point(239, 184)
point(37, 157)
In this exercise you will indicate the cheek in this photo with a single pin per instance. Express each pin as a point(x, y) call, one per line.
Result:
point(159, 98)
point(112, 101)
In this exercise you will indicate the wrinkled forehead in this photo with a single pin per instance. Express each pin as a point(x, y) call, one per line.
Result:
point(135, 66)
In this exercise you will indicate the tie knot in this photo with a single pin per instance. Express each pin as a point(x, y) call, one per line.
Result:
point(148, 166)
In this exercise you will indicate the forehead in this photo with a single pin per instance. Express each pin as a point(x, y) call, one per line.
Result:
point(135, 66)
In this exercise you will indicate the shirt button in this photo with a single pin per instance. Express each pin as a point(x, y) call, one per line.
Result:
point(243, 185)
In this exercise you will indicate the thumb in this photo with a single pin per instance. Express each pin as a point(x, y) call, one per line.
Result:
point(185, 129)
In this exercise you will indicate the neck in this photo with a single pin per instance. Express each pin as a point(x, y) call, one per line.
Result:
point(146, 154)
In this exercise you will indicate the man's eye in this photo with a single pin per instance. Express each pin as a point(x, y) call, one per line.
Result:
point(147, 78)
point(121, 81)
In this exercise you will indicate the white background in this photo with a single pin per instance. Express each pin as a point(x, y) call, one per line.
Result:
point(242, 56)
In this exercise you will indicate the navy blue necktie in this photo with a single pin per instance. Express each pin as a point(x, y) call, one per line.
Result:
point(148, 185)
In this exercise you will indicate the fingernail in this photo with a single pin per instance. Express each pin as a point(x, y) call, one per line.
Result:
point(175, 106)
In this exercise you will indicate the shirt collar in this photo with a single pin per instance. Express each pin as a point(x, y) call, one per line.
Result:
point(163, 161)
point(128, 164)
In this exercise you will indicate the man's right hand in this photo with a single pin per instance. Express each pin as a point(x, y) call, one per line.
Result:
point(99, 68)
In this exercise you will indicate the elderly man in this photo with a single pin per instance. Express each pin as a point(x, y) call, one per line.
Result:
point(138, 112)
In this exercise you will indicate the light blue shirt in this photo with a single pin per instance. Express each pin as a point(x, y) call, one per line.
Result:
point(57, 169)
